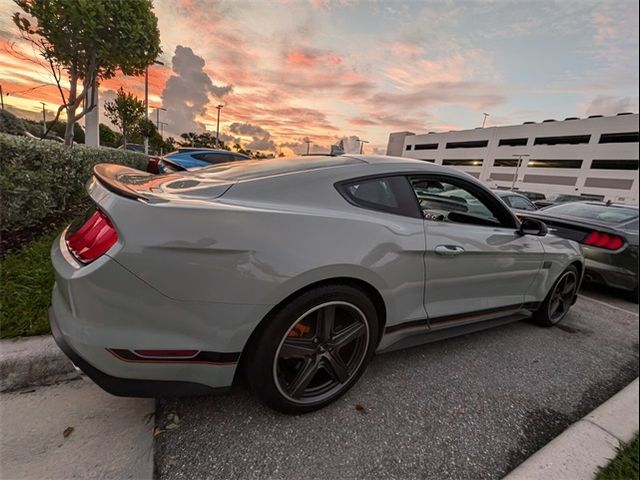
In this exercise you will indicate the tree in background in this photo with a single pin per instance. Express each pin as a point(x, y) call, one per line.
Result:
point(88, 41)
point(201, 140)
point(125, 112)
point(59, 128)
point(170, 145)
point(109, 137)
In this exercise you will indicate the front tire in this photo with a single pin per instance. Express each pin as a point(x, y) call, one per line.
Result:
point(559, 299)
point(313, 349)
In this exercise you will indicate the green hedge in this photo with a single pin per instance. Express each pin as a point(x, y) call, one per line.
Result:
point(41, 177)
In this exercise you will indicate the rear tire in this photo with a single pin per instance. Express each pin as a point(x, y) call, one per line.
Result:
point(313, 349)
point(559, 299)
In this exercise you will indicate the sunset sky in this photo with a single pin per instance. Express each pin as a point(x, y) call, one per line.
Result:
point(333, 69)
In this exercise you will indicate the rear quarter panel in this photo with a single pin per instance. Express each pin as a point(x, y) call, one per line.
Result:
point(259, 243)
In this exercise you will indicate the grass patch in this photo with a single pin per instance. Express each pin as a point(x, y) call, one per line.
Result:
point(624, 466)
point(26, 280)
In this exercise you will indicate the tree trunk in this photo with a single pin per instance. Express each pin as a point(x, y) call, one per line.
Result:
point(68, 132)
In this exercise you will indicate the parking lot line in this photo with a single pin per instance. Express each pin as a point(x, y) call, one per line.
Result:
point(607, 304)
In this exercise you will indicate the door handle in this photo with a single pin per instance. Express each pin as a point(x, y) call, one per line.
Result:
point(449, 250)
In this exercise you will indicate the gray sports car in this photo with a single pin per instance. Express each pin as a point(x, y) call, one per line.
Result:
point(292, 271)
point(609, 235)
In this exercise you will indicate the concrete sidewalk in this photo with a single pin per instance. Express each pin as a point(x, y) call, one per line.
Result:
point(588, 444)
point(111, 437)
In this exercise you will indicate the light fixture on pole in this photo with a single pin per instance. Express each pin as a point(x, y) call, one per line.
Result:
point(218, 107)
point(146, 102)
point(515, 177)
point(362, 142)
point(158, 116)
point(484, 119)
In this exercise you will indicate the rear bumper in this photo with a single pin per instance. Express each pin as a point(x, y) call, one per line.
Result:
point(127, 387)
point(101, 314)
point(610, 275)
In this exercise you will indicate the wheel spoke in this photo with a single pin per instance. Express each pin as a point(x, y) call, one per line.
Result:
point(569, 286)
point(348, 334)
point(304, 376)
point(297, 348)
point(326, 318)
point(553, 306)
point(336, 367)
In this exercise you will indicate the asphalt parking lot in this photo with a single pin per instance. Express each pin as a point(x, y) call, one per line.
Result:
point(470, 407)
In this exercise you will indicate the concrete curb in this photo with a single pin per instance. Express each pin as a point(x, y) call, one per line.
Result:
point(32, 361)
point(588, 444)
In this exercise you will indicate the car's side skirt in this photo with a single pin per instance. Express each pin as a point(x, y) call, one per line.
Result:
point(452, 326)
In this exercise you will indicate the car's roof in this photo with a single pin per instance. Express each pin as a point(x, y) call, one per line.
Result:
point(599, 204)
point(255, 169)
point(508, 193)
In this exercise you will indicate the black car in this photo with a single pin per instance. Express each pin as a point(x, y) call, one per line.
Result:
point(608, 233)
point(533, 196)
point(558, 198)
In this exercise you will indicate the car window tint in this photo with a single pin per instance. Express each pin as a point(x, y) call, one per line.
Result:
point(375, 192)
point(520, 203)
point(442, 201)
point(388, 194)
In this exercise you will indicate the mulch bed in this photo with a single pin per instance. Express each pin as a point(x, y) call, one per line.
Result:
point(14, 241)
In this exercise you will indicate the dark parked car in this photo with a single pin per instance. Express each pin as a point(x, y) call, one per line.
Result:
point(190, 158)
point(533, 196)
point(564, 198)
point(608, 233)
point(516, 200)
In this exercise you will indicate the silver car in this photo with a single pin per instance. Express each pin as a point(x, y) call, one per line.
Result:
point(292, 271)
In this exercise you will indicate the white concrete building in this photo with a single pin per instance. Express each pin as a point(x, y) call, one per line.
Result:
point(591, 156)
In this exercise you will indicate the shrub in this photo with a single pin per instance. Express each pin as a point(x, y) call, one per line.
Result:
point(9, 123)
point(41, 177)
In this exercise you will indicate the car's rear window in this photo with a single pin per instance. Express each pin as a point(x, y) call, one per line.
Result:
point(612, 214)
point(252, 169)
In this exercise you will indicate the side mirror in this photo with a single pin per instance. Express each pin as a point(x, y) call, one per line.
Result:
point(531, 226)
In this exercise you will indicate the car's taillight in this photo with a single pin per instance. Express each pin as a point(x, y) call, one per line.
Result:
point(604, 240)
point(93, 239)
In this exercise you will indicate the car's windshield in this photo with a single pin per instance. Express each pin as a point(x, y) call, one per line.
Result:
point(601, 213)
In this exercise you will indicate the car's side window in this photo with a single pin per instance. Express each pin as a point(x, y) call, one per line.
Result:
point(214, 158)
point(520, 203)
point(388, 194)
point(450, 200)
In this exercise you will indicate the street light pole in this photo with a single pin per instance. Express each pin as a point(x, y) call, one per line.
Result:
point(146, 102)
point(44, 119)
point(362, 142)
point(218, 107)
point(515, 177)
point(161, 127)
point(484, 119)
point(308, 142)
point(158, 116)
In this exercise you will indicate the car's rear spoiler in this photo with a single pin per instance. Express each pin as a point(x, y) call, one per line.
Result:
point(120, 179)
point(138, 185)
